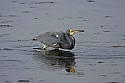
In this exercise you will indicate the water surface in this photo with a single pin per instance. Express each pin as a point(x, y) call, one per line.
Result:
point(99, 54)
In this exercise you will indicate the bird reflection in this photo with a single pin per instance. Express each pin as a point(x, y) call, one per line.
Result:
point(56, 59)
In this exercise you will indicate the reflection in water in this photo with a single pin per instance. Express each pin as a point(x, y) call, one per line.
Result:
point(56, 59)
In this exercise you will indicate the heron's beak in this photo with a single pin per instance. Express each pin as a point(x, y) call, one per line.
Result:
point(78, 31)
point(72, 32)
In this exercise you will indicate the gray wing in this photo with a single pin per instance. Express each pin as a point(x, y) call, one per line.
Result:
point(50, 38)
point(67, 42)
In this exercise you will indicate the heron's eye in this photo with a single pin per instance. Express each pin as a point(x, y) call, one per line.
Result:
point(70, 31)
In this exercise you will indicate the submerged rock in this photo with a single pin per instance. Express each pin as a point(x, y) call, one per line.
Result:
point(23, 80)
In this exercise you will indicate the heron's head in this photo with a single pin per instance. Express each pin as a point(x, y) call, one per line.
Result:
point(72, 32)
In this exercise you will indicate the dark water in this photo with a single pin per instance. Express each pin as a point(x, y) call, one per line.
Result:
point(99, 54)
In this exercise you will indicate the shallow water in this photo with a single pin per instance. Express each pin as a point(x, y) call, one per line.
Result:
point(99, 54)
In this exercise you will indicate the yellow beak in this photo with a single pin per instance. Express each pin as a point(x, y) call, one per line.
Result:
point(78, 30)
point(72, 32)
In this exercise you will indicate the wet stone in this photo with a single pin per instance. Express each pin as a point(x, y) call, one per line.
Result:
point(35, 18)
point(1, 35)
point(23, 80)
point(100, 62)
point(108, 16)
point(32, 7)
point(85, 20)
point(106, 31)
point(90, 1)
point(43, 2)
point(104, 75)
point(39, 3)
point(23, 3)
point(123, 35)
point(19, 40)
point(112, 82)
point(101, 26)
point(12, 15)
point(96, 33)
point(3, 26)
point(117, 46)
point(7, 49)
point(8, 81)
point(14, 1)
point(26, 12)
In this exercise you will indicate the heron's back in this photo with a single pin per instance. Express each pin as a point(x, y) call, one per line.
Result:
point(50, 38)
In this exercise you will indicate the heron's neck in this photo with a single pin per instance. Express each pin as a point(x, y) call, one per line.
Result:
point(68, 38)
point(71, 40)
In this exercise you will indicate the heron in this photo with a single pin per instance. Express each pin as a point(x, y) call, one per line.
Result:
point(58, 39)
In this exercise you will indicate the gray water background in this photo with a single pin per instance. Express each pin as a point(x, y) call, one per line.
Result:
point(99, 54)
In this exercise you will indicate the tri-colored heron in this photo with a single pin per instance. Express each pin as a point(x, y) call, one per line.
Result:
point(60, 39)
